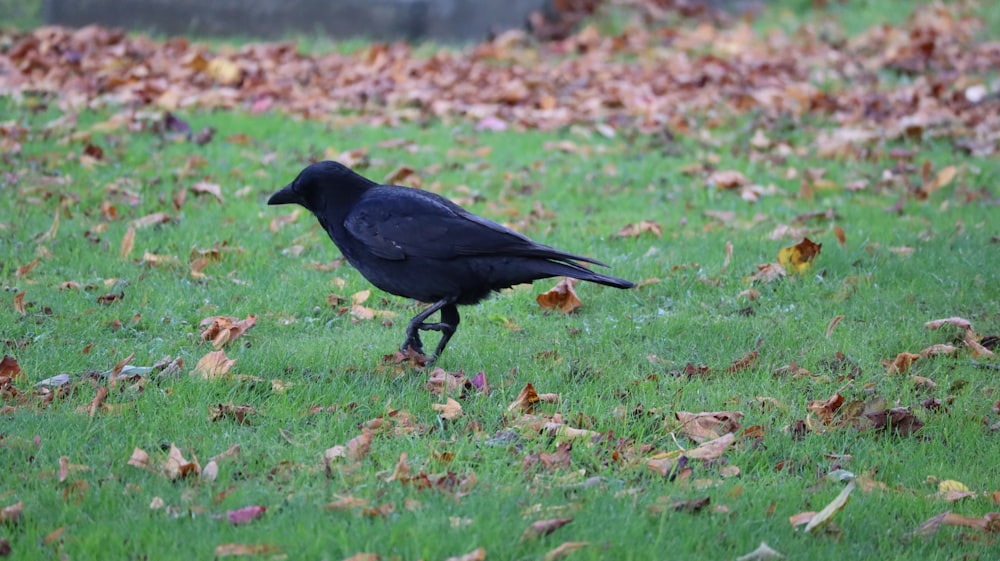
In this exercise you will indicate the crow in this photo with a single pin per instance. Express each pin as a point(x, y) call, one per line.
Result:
point(420, 245)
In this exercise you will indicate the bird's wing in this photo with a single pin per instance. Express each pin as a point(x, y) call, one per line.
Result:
point(396, 223)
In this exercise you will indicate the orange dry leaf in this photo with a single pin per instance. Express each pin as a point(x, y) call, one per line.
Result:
point(901, 364)
point(223, 329)
point(139, 458)
point(358, 447)
point(841, 236)
point(280, 222)
point(11, 514)
point(727, 179)
point(128, 243)
point(450, 410)
point(799, 257)
point(214, 365)
point(150, 220)
point(561, 297)
point(9, 368)
point(958, 322)
point(176, 467)
point(564, 550)
point(643, 227)
point(712, 449)
point(833, 324)
point(768, 272)
point(972, 340)
point(246, 549)
point(19, 303)
point(543, 528)
point(700, 427)
point(743, 362)
point(25, 270)
point(826, 410)
point(526, 400)
point(475, 555)
point(203, 187)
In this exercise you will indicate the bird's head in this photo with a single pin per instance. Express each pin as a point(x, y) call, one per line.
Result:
point(322, 185)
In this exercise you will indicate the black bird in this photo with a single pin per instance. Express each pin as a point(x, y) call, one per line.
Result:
point(419, 245)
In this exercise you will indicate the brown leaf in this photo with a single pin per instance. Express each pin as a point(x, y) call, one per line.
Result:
point(712, 449)
point(727, 179)
point(799, 257)
point(214, 365)
point(223, 329)
point(128, 243)
point(245, 549)
point(25, 270)
point(762, 553)
point(150, 220)
point(564, 550)
point(901, 363)
point(177, 467)
point(19, 303)
point(958, 322)
point(11, 514)
point(643, 227)
point(98, 401)
point(841, 236)
point(743, 363)
point(450, 410)
point(239, 413)
point(280, 222)
point(9, 368)
point(817, 519)
point(442, 382)
point(832, 325)
point(474, 555)
point(202, 188)
point(543, 528)
point(701, 427)
point(358, 447)
point(561, 297)
point(139, 459)
point(526, 400)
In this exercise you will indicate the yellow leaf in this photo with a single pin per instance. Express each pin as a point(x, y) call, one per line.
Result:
point(799, 257)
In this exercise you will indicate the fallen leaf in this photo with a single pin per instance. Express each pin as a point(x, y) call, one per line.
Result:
point(9, 368)
point(474, 555)
point(762, 553)
point(826, 515)
point(561, 297)
point(642, 227)
point(177, 467)
point(702, 427)
point(958, 322)
point(450, 410)
point(832, 325)
point(214, 365)
point(202, 188)
point(543, 528)
point(128, 243)
point(19, 303)
point(243, 549)
point(799, 257)
point(223, 329)
point(245, 515)
point(564, 550)
point(526, 400)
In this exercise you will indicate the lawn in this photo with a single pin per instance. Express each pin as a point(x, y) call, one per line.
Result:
point(704, 412)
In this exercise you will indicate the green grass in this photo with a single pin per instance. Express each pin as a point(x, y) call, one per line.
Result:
point(601, 371)
point(600, 360)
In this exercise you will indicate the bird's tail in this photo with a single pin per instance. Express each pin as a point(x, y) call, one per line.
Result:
point(573, 269)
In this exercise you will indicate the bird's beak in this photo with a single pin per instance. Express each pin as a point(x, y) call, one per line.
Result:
point(283, 197)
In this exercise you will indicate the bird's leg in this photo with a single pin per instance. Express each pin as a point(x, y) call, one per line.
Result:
point(447, 326)
point(417, 323)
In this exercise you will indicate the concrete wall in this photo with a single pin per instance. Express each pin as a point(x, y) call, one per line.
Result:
point(449, 20)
